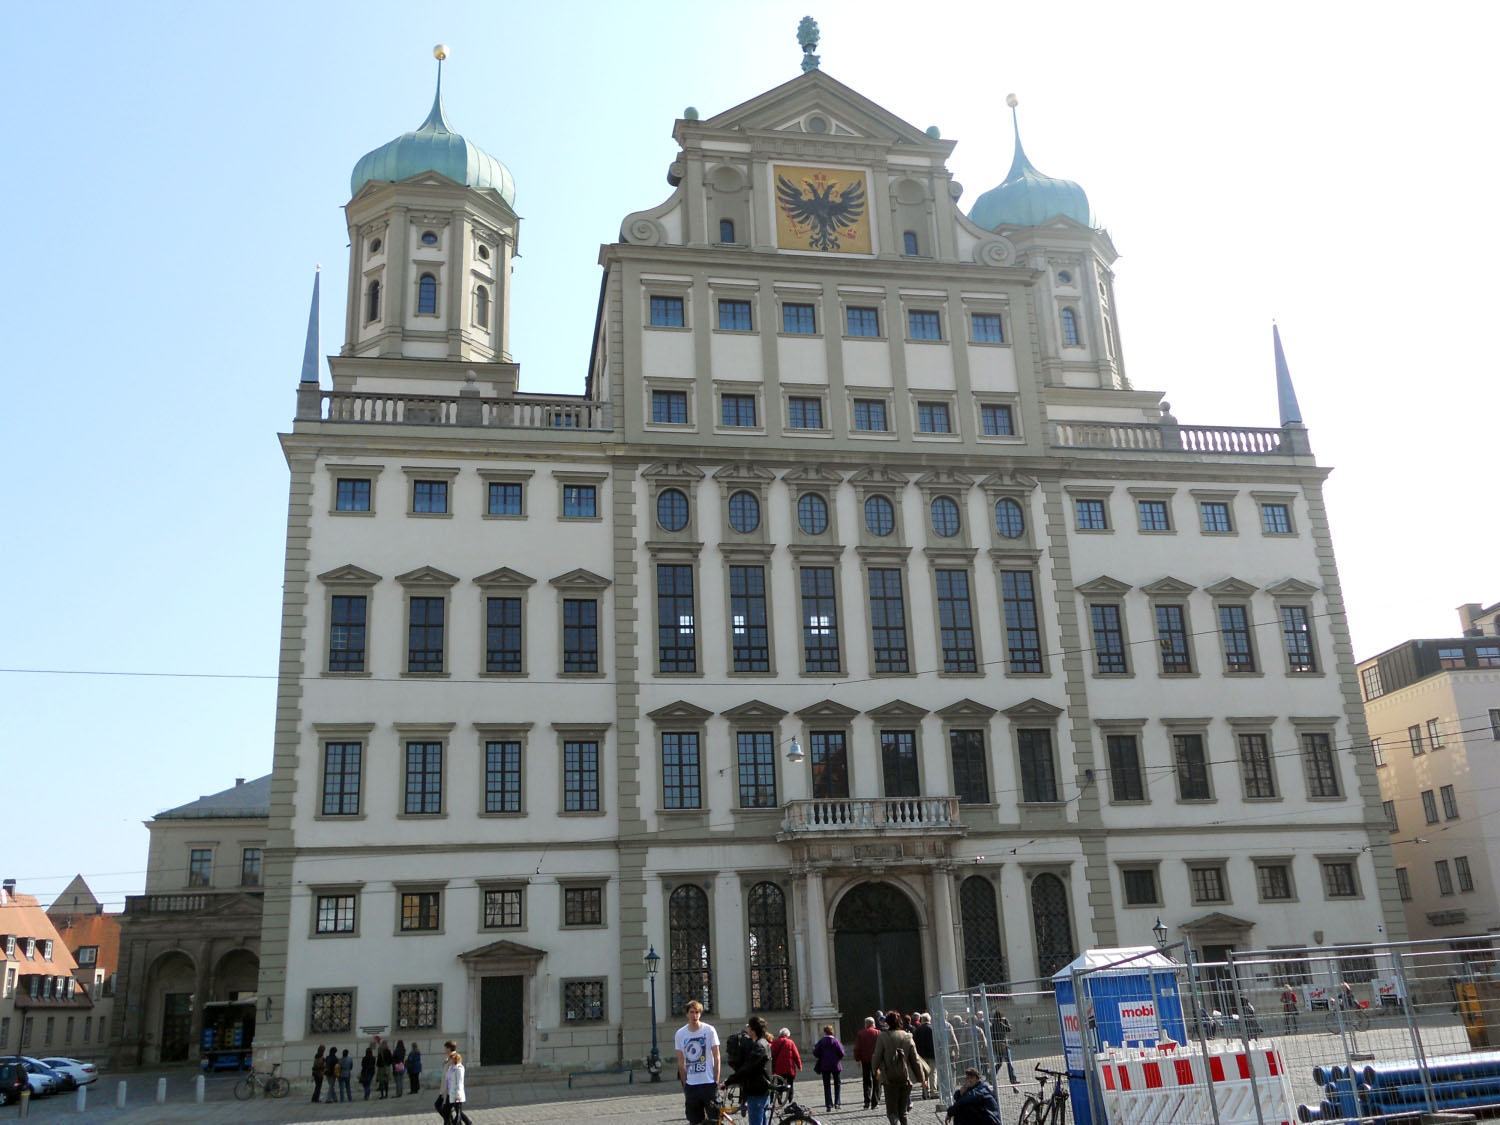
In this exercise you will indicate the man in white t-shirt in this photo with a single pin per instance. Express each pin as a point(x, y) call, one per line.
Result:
point(697, 1046)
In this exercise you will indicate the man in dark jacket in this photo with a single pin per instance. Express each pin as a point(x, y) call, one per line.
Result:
point(974, 1102)
point(864, 1051)
point(922, 1036)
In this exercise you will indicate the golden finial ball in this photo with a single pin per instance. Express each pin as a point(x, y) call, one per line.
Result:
point(1010, 100)
point(440, 52)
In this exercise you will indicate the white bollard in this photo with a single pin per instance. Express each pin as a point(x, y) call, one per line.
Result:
point(198, 1084)
point(120, 1095)
point(83, 1098)
point(25, 1103)
point(161, 1091)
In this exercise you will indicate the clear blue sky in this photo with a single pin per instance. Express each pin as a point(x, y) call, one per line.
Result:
point(174, 172)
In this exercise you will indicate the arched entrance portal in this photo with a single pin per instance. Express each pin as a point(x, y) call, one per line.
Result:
point(877, 955)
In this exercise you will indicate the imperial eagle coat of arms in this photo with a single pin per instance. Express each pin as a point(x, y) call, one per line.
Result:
point(822, 209)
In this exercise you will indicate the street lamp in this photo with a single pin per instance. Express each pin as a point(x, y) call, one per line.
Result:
point(794, 752)
point(653, 1060)
point(1160, 932)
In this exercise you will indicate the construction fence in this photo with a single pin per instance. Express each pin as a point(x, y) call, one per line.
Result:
point(1364, 1033)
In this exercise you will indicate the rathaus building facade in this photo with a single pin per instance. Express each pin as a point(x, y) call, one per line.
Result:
point(859, 631)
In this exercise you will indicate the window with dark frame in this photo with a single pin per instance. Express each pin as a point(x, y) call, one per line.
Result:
point(997, 420)
point(756, 761)
point(932, 418)
point(1023, 637)
point(1296, 636)
point(828, 754)
point(502, 635)
point(580, 636)
point(1070, 328)
point(924, 324)
point(1140, 886)
point(971, 775)
point(416, 1009)
point(1090, 514)
point(1191, 763)
point(734, 316)
point(346, 633)
point(341, 762)
point(956, 622)
point(667, 312)
point(1109, 640)
point(1276, 519)
point(984, 954)
point(1403, 884)
point(689, 949)
point(1038, 769)
point(820, 634)
point(1338, 879)
point(1377, 754)
point(909, 243)
point(770, 958)
point(583, 1001)
point(421, 911)
point(669, 408)
point(737, 411)
point(353, 495)
point(502, 777)
point(1126, 781)
point(945, 517)
point(804, 412)
point(502, 909)
point(1435, 733)
point(200, 867)
point(888, 621)
point(427, 295)
point(1234, 631)
point(1429, 806)
point(1256, 773)
point(1465, 876)
point(681, 787)
point(987, 328)
point(1273, 881)
point(726, 231)
point(250, 866)
point(1153, 515)
point(880, 516)
point(1319, 766)
point(1444, 877)
point(1214, 515)
point(672, 509)
point(1450, 802)
point(429, 497)
point(583, 906)
point(749, 631)
point(1414, 738)
point(481, 306)
point(812, 513)
point(744, 512)
point(859, 321)
point(580, 777)
point(424, 778)
point(1207, 884)
point(580, 502)
point(1369, 679)
point(1450, 658)
point(424, 650)
point(869, 415)
point(1172, 639)
point(330, 1013)
point(1487, 656)
point(798, 319)
point(372, 302)
point(504, 498)
point(898, 762)
point(676, 631)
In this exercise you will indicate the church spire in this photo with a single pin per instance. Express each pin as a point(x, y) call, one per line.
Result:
point(1286, 394)
point(310, 352)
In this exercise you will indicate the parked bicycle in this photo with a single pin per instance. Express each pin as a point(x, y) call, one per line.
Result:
point(268, 1081)
point(1042, 1108)
point(1347, 1019)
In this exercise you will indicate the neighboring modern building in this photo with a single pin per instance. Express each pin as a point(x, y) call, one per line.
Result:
point(859, 631)
point(190, 945)
point(1433, 712)
point(44, 1009)
point(93, 939)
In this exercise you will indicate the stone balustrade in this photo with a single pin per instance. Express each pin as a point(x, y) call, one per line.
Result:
point(182, 902)
point(1172, 437)
point(872, 814)
point(534, 412)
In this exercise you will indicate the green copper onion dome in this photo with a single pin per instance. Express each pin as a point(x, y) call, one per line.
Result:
point(1026, 198)
point(434, 147)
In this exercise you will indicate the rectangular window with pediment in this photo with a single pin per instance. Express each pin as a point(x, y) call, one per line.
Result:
point(829, 754)
point(898, 755)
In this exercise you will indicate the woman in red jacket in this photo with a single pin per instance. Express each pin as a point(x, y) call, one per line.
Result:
point(786, 1060)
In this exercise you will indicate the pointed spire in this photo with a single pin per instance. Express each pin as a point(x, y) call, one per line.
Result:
point(1019, 164)
point(437, 121)
point(1286, 394)
point(310, 352)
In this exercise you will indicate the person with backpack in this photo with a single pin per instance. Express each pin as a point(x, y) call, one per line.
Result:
point(828, 1060)
point(864, 1051)
point(786, 1060)
point(895, 1061)
point(1000, 1039)
point(752, 1071)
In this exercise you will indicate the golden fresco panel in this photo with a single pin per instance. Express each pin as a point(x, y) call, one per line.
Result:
point(823, 209)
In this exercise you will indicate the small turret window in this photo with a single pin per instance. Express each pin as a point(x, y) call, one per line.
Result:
point(375, 245)
point(372, 302)
point(483, 251)
point(429, 238)
point(726, 230)
point(909, 243)
point(1064, 277)
point(427, 295)
point(482, 307)
point(1070, 328)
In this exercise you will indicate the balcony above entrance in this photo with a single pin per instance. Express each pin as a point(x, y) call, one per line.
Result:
point(841, 818)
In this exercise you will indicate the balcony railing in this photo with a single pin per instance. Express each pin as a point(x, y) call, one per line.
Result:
point(537, 412)
point(1172, 437)
point(873, 814)
point(185, 902)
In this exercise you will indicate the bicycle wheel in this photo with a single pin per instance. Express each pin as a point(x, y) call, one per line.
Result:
point(1361, 1019)
point(1031, 1112)
point(279, 1087)
point(245, 1087)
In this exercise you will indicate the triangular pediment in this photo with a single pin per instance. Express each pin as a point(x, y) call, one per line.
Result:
point(880, 475)
point(812, 474)
point(1291, 587)
point(504, 576)
point(503, 950)
point(1169, 587)
point(897, 709)
point(787, 107)
point(828, 710)
point(945, 478)
point(673, 470)
point(1008, 482)
point(1032, 708)
point(750, 472)
point(235, 904)
point(1230, 588)
point(1103, 586)
point(580, 579)
point(427, 576)
point(966, 709)
point(1217, 922)
point(349, 575)
point(682, 711)
point(755, 710)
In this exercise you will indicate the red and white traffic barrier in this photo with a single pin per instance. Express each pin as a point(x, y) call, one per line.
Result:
point(1171, 1083)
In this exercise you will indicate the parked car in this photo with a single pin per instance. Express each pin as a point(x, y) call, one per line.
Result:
point(81, 1073)
point(43, 1079)
point(13, 1080)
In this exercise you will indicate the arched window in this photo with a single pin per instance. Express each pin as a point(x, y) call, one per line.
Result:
point(427, 294)
point(1010, 522)
point(880, 516)
point(945, 517)
point(770, 954)
point(726, 230)
point(1050, 925)
point(692, 972)
point(909, 243)
point(984, 957)
point(1070, 328)
point(482, 306)
point(372, 302)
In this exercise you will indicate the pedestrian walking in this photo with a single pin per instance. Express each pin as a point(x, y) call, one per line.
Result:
point(346, 1076)
point(1000, 1036)
point(398, 1065)
point(896, 1063)
point(1288, 1010)
point(414, 1068)
point(697, 1045)
point(367, 1070)
point(828, 1060)
point(383, 1069)
point(319, 1068)
point(753, 1075)
point(922, 1036)
point(786, 1060)
point(454, 1095)
point(864, 1052)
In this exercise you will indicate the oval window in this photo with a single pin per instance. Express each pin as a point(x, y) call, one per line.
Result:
point(672, 510)
point(945, 517)
point(1065, 277)
point(483, 251)
point(429, 238)
point(812, 513)
point(880, 516)
point(744, 512)
point(375, 245)
point(1009, 521)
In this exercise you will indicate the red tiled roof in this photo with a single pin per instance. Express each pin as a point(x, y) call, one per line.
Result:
point(22, 916)
point(102, 930)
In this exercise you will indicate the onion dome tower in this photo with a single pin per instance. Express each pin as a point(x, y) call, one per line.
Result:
point(1026, 198)
point(432, 231)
